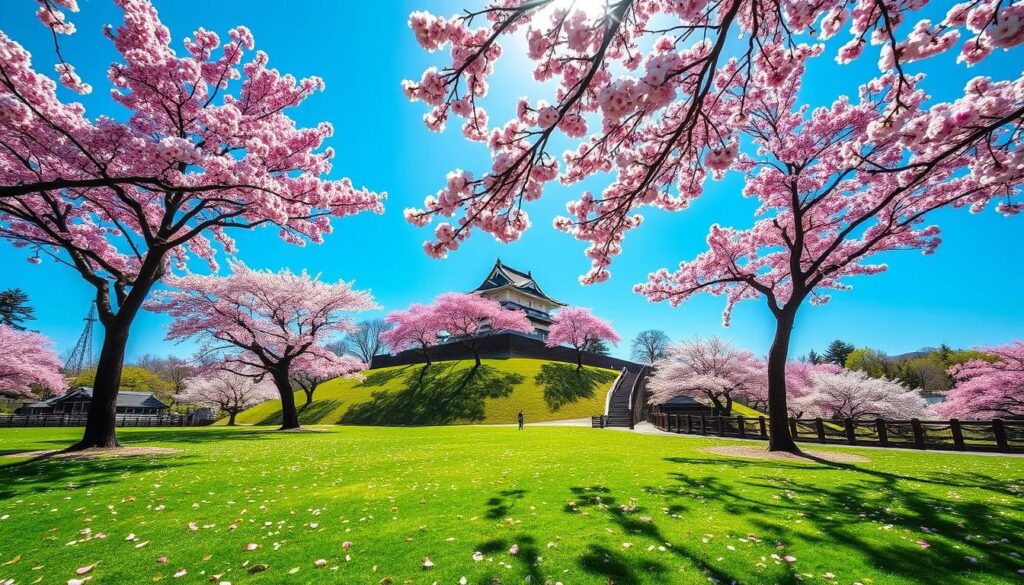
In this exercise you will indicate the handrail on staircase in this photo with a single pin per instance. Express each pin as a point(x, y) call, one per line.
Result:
point(632, 393)
point(608, 397)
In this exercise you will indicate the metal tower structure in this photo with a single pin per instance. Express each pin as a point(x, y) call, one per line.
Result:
point(81, 357)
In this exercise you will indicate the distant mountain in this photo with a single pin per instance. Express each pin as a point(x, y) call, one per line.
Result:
point(912, 354)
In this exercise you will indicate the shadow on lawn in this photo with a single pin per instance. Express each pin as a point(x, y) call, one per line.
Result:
point(309, 414)
point(54, 475)
point(564, 383)
point(499, 506)
point(433, 395)
point(630, 517)
point(850, 507)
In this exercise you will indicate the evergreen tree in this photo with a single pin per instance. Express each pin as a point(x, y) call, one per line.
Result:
point(837, 352)
point(14, 308)
point(814, 357)
point(598, 346)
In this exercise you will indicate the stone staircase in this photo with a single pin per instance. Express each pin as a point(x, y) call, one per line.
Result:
point(618, 406)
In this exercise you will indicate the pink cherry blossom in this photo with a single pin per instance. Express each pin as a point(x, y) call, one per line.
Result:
point(207, 146)
point(28, 360)
point(986, 388)
point(468, 318)
point(851, 394)
point(710, 370)
point(579, 327)
point(309, 370)
point(413, 328)
point(263, 323)
point(222, 388)
point(662, 79)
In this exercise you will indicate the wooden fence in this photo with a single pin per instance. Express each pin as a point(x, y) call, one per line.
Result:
point(955, 435)
point(122, 420)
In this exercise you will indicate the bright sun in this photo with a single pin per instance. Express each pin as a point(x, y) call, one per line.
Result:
point(590, 7)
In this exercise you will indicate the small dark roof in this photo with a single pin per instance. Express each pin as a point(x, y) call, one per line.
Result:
point(502, 275)
point(684, 401)
point(124, 398)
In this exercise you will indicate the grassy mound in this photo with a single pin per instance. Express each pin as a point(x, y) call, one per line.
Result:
point(452, 393)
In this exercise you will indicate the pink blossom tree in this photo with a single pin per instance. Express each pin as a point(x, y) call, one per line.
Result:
point(413, 328)
point(207, 147)
point(309, 370)
point(852, 394)
point(28, 359)
point(226, 390)
point(828, 205)
point(706, 369)
point(578, 327)
point(261, 321)
point(470, 318)
point(676, 100)
point(798, 383)
point(988, 389)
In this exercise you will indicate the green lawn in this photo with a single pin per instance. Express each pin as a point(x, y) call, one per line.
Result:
point(453, 393)
point(582, 505)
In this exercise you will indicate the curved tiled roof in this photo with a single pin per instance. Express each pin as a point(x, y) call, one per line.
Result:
point(502, 275)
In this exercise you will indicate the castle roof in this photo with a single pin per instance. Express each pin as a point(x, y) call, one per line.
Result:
point(502, 276)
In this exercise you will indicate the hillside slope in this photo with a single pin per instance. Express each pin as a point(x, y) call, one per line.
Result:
point(452, 393)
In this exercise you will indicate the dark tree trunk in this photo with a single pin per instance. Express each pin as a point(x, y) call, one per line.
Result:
point(723, 409)
point(101, 424)
point(309, 396)
point(289, 415)
point(231, 418)
point(780, 438)
point(476, 354)
point(426, 355)
point(579, 359)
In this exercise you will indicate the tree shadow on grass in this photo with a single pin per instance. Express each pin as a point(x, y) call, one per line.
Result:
point(40, 475)
point(528, 555)
point(564, 383)
point(382, 377)
point(873, 514)
point(619, 566)
point(499, 506)
point(435, 395)
point(316, 411)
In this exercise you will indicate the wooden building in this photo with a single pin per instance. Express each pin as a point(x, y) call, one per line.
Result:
point(515, 289)
point(77, 401)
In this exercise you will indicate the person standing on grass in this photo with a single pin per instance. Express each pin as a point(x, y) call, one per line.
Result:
point(521, 418)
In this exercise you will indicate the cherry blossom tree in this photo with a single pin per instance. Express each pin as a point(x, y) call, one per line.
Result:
point(207, 147)
point(413, 328)
point(226, 390)
point(261, 321)
point(579, 327)
point(309, 370)
point(707, 369)
point(675, 100)
point(988, 389)
point(470, 318)
point(852, 394)
point(28, 359)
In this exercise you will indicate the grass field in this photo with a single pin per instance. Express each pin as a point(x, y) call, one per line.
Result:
point(577, 505)
point(452, 393)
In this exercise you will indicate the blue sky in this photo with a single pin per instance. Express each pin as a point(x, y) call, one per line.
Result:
point(968, 293)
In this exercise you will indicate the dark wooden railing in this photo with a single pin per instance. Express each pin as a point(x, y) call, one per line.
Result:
point(955, 435)
point(122, 420)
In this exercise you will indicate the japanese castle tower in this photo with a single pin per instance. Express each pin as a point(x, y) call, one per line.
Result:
point(515, 289)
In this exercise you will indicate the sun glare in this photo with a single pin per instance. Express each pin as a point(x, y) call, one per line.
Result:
point(590, 7)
